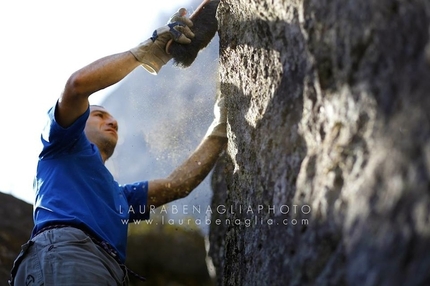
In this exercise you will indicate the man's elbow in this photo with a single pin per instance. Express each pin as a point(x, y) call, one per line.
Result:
point(76, 86)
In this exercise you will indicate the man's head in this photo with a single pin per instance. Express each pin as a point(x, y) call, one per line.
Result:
point(102, 130)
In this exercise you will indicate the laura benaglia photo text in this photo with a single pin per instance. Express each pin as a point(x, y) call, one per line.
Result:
point(220, 209)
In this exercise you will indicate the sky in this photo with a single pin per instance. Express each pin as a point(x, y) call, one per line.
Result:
point(42, 43)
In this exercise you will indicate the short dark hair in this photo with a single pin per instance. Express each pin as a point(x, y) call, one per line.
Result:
point(96, 105)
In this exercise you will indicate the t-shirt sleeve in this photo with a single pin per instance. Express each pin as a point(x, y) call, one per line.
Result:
point(56, 138)
point(137, 197)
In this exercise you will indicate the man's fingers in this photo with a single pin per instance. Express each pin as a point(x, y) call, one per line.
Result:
point(186, 31)
point(181, 34)
point(179, 28)
point(184, 20)
point(181, 16)
point(183, 40)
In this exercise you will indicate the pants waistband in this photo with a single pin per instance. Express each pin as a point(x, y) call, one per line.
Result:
point(109, 249)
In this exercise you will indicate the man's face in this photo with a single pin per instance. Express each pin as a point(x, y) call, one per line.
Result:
point(102, 129)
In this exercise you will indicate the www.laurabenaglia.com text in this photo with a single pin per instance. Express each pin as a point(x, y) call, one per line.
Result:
point(222, 215)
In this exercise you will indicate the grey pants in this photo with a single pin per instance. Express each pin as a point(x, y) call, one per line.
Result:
point(66, 256)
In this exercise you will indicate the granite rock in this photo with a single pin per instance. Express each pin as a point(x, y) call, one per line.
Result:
point(326, 179)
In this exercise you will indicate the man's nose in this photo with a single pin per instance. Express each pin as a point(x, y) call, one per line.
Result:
point(113, 123)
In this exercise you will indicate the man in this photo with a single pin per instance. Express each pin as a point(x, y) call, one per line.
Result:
point(79, 237)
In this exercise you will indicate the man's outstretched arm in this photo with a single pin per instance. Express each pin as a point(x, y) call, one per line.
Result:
point(188, 175)
point(109, 70)
point(91, 78)
point(194, 170)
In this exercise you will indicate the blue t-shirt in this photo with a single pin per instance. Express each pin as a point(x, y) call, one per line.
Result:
point(74, 187)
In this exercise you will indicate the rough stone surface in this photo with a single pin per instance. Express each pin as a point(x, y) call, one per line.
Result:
point(328, 115)
point(15, 229)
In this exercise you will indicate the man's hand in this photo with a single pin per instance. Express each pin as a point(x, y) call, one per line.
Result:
point(219, 124)
point(152, 53)
point(179, 26)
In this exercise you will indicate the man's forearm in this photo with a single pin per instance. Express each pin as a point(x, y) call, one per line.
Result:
point(189, 174)
point(89, 79)
point(195, 169)
point(102, 73)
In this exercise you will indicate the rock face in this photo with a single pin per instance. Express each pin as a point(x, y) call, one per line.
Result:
point(15, 230)
point(326, 180)
point(167, 255)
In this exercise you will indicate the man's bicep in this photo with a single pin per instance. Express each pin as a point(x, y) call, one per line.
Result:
point(69, 109)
